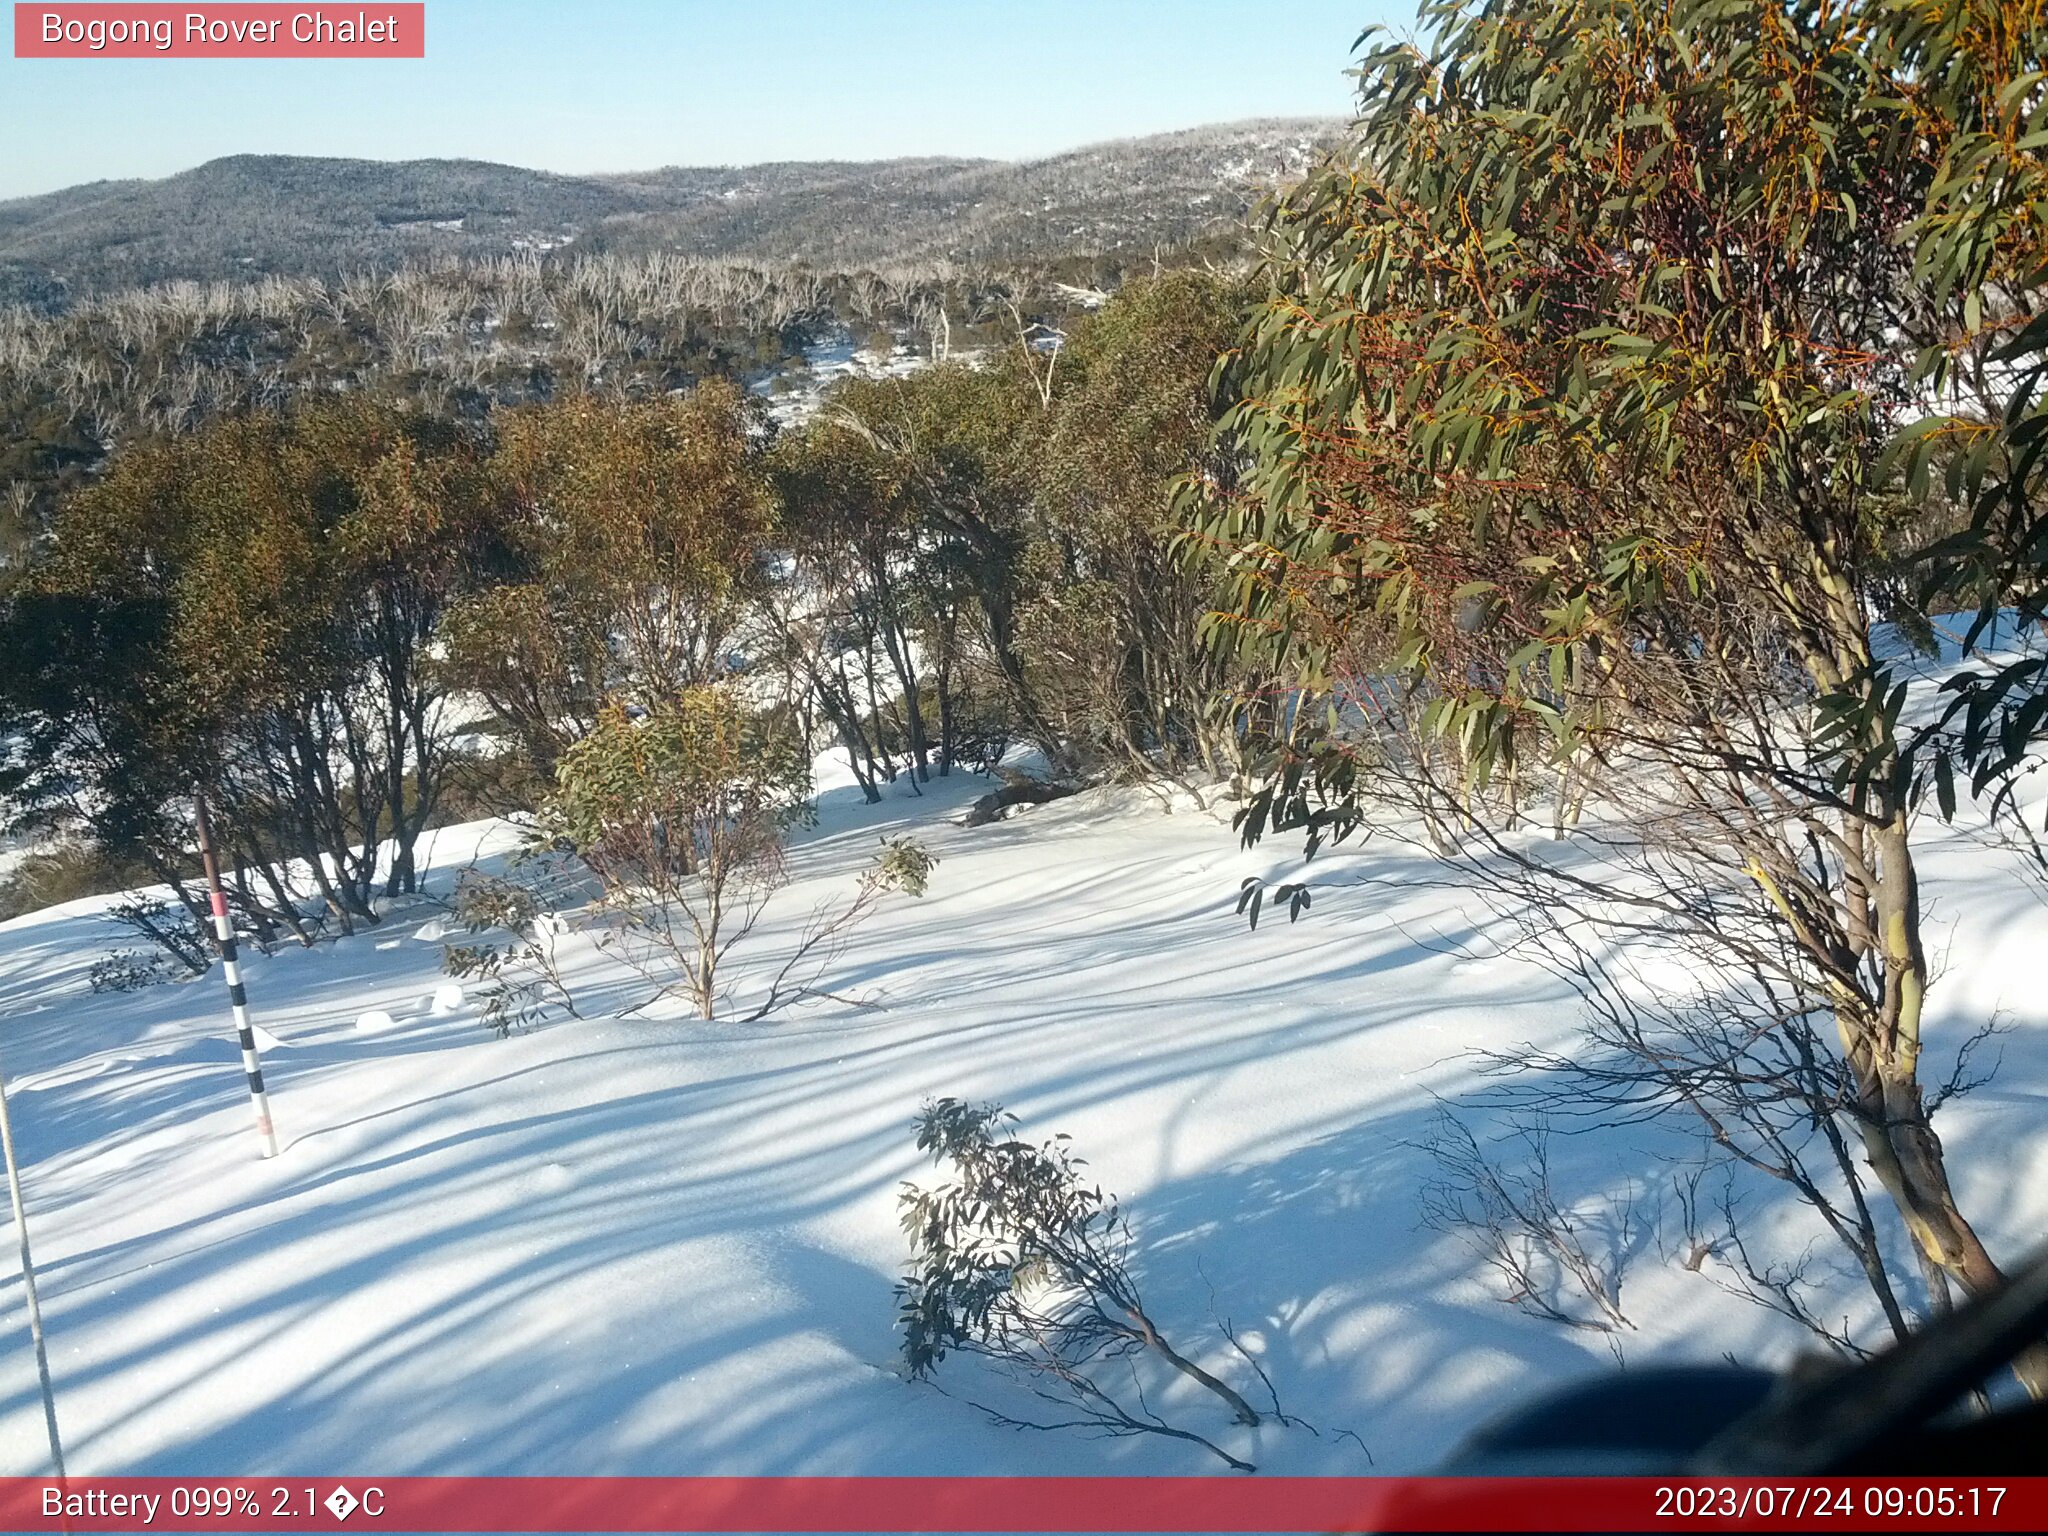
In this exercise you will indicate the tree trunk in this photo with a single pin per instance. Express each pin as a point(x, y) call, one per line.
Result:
point(1884, 1052)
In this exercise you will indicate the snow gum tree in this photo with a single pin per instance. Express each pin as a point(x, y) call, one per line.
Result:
point(957, 445)
point(997, 541)
point(636, 531)
point(1568, 410)
point(1132, 413)
point(251, 609)
point(869, 576)
point(1981, 244)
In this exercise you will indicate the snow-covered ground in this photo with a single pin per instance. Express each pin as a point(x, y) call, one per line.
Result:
point(794, 395)
point(640, 1247)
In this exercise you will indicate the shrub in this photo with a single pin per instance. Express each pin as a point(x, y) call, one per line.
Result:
point(680, 814)
point(130, 970)
point(520, 979)
point(1022, 1261)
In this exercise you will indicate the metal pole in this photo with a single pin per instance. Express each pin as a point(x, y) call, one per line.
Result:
point(28, 1281)
point(224, 931)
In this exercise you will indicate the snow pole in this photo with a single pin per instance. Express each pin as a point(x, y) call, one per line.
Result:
point(28, 1283)
point(238, 997)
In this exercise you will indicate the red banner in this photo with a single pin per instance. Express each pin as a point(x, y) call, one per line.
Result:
point(114, 31)
point(1010, 1504)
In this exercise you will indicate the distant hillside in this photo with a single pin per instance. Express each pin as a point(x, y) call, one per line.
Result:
point(254, 214)
point(1124, 196)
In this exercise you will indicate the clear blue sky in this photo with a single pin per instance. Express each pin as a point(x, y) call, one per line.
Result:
point(619, 85)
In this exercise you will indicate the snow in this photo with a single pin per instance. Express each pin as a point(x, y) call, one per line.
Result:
point(657, 1246)
point(795, 393)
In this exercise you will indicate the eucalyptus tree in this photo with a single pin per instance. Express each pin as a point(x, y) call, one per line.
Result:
point(858, 559)
point(1568, 410)
point(1974, 79)
point(636, 535)
point(962, 444)
point(249, 610)
point(1112, 614)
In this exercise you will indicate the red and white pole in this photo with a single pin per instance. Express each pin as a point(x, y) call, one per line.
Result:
point(238, 997)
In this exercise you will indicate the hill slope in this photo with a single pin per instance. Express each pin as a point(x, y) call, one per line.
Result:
point(648, 1245)
point(254, 214)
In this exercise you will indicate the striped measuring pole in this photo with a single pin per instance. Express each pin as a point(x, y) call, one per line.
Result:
point(238, 997)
